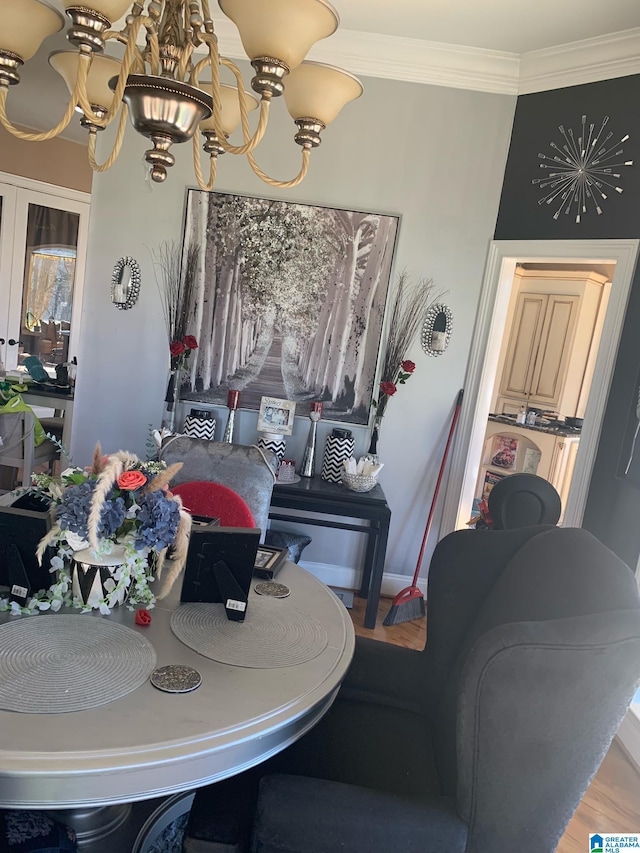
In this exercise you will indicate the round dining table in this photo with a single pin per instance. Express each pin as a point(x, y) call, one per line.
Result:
point(151, 743)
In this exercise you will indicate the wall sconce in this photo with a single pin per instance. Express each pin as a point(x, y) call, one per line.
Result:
point(125, 283)
point(436, 330)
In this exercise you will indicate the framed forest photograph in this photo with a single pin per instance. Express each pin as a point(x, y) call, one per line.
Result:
point(288, 301)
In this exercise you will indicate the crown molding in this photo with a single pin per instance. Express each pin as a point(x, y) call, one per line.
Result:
point(587, 61)
point(475, 69)
point(406, 59)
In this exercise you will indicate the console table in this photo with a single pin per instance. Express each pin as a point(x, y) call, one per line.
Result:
point(315, 495)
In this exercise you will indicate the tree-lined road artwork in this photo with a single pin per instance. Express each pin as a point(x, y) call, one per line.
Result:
point(288, 302)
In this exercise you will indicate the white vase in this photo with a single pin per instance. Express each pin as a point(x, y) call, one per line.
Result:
point(92, 576)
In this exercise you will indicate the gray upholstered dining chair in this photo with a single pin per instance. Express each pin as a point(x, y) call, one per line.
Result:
point(486, 741)
point(248, 470)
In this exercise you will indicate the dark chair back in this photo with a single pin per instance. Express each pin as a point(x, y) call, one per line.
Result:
point(523, 500)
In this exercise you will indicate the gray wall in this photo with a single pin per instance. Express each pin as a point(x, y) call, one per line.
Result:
point(434, 155)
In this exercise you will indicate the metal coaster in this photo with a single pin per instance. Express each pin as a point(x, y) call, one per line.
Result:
point(176, 678)
point(275, 590)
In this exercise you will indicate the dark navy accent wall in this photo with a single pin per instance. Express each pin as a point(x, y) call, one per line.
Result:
point(613, 507)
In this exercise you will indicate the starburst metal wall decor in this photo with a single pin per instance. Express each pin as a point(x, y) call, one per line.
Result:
point(582, 170)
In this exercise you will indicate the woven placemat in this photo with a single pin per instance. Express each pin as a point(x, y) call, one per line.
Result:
point(51, 664)
point(275, 633)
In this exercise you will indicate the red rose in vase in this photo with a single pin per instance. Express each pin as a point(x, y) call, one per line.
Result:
point(176, 348)
point(408, 366)
point(190, 342)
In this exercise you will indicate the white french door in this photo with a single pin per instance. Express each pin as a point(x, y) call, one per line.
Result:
point(43, 241)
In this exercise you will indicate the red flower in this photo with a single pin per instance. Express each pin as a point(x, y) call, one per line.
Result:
point(131, 480)
point(176, 348)
point(143, 617)
point(190, 342)
point(388, 388)
point(408, 366)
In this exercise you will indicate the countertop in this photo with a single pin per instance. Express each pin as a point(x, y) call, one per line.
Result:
point(553, 429)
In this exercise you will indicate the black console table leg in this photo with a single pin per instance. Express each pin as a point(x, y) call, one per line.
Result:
point(377, 571)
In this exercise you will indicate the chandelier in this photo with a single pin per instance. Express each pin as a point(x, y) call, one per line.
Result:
point(168, 80)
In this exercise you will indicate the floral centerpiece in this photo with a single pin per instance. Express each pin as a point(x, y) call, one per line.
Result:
point(119, 513)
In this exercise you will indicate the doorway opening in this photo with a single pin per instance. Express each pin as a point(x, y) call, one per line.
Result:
point(618, 256)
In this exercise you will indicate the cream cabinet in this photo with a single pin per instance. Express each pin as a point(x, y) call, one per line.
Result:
point(548, 455)
point(551, 341)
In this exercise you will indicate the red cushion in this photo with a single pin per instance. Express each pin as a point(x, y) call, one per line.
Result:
point(214, 500)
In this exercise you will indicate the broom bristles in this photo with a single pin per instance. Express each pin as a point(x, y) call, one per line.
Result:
point(406, 611)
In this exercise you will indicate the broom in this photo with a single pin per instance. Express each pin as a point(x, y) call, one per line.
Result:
point(409, 602)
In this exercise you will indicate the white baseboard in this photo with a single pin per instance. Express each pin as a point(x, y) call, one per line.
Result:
point(629, 734)
point(345, 577)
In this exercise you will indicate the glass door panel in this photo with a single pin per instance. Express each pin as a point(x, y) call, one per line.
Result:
point(48, 285)
point(46, 291)
point(7, 221)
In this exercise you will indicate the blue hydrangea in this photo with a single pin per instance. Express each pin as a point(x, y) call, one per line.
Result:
point(158, 521)
point(112, 516)
point(75, 506)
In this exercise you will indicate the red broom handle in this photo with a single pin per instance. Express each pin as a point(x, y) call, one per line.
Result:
point(454, 420)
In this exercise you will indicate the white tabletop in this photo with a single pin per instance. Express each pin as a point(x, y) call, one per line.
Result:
point(150, 743)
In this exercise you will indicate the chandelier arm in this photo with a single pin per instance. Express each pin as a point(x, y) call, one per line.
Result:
point(184, 61)
point(306, 153)
point(137, 66)
point(154, 50)
point(131, 55)
point(215, 60)
point(80, 86)
point(197, 168)
point(244, 119)
point(122, 126)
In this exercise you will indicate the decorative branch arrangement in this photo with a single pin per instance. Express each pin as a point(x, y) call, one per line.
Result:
point(411, 303)
point(175, 289)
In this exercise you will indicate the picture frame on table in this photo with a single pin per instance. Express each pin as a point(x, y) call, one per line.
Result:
point(276, 416)
point(269, 561)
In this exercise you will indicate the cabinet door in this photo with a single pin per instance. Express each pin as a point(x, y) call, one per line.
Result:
point(44, 290)
point(554, 351)
point(524, 340)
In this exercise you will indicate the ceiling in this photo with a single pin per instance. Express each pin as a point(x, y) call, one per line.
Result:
point(503, 25)
point(493, 45)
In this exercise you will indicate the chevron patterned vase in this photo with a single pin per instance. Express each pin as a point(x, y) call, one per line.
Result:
point(201, 425)
point(275, 443)
point(336, 450)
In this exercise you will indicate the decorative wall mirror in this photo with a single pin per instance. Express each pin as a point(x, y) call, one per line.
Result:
point(125, 283)
point(436, 330)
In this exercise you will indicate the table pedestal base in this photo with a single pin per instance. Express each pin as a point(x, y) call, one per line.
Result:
point(94, 825)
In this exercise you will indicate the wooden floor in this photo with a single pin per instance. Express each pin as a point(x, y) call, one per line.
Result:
point(612, 801)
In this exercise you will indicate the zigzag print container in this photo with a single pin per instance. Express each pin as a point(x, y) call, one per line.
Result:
point(196, 426)
point(275, 443)
point(336, 450)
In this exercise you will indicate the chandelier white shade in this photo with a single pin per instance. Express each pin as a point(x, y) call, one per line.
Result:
point(279, 28)
point(103, 69)
point(169, 47)
point(25, 25)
